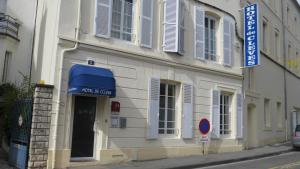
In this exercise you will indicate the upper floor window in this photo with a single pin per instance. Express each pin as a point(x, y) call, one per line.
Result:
point(277, 45)
point(6, 66)
point(210, 38)
point(264, 36)
point(121, 27)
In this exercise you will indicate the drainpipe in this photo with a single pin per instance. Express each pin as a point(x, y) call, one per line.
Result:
point(284, 73)
point(63, 52)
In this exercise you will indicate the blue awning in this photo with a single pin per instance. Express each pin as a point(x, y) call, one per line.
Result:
point(91, 80)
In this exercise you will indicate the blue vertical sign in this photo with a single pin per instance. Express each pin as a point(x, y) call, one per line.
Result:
point(251, 35)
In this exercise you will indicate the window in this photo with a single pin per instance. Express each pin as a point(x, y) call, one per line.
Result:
point(289, 60)
point(267, 113)
point(264, 36)
point(210, 38)
point(7, 62)
point(3, 6)
point(280, 115)
point(122, 19)
point(250, 78)
point(277, 46)
point(167, 109)
point(224, 114)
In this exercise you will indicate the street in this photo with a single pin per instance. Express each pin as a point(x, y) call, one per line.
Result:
point(284, 161)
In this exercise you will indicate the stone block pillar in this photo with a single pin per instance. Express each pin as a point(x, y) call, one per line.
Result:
point(40, 127)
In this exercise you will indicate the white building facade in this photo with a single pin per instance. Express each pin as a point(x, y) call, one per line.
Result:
point(16, 39)
point(165, 64)
point(272, 89)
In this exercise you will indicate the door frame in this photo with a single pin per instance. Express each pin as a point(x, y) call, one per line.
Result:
point(72, 108)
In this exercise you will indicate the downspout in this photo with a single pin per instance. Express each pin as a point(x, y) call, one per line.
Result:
point(284, 73)
point(63, 52)
point(33, 44)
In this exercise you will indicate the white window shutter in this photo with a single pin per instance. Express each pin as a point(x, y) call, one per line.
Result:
point(146, 23)
point(153, 108)
point(187, 122)
point(181, 28)
point(228, 40)
point(199, 33)
point(103, 18)
point(239, 116)
point(171, 31)
point(215, 114)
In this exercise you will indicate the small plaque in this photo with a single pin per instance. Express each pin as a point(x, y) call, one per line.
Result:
point(115, 121)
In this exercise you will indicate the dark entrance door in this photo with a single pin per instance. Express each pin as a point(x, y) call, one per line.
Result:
point(83, 133)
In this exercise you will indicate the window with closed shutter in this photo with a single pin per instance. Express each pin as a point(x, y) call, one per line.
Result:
point(199, 33)
point(187, 122)
point(228, 41)
point(153, 108)
point(215, 114)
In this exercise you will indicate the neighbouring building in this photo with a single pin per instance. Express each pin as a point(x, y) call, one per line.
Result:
point(132, 78)
point(16, 39)
point(272, 89)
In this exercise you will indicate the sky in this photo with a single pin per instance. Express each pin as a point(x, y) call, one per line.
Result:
point(298, 2)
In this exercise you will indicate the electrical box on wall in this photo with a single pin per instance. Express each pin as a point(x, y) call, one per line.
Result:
point(123, 122)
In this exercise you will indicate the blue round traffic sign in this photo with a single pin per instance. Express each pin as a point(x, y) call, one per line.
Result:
point(204, 126)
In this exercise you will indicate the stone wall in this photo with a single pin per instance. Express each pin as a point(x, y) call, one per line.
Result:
point(40, 127)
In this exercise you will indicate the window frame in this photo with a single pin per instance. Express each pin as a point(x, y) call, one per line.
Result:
point(207, 55)
point(166, 108)
point(229, 114)
point(277, 44)
point(122, 15)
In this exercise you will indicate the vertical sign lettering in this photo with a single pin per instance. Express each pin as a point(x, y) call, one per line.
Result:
point(251, 35)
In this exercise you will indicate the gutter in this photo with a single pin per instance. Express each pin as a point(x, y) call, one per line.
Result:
point(284, 73)
point(63, 52)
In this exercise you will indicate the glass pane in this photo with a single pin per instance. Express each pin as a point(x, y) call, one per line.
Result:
point(206, 22)
point(162, 102)
point(226, 119)
point(171, 115)
point(170, 132)
point(162, 89)
point(171, 125)
point(161, 114)
point(212, 24)
point(161, 124)
point(171, 102)
point(171, 90)
point(161, 131)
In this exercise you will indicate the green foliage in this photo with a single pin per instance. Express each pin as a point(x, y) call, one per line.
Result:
point(10, 93)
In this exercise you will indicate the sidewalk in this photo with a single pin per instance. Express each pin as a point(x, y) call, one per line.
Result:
point(200, 161)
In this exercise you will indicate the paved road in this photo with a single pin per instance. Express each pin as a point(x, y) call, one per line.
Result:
point(284, 161)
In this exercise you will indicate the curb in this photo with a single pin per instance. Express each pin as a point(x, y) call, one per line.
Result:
point(230, 160)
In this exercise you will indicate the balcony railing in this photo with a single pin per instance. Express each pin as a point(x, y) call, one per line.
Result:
point(9, 26)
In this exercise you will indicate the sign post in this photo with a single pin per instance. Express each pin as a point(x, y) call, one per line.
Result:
point(251, 36)
point(204, 128)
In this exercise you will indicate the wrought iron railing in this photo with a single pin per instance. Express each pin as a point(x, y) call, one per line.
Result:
point(9, 26)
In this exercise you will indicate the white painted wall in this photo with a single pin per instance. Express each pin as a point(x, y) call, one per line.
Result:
point(24, 12)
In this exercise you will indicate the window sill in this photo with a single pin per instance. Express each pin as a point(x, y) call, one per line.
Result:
point(268, 129)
